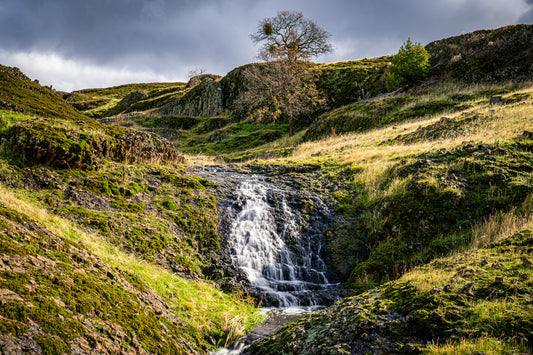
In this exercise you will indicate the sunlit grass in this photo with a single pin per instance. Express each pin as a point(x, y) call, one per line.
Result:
point(366, 149)
point(483, 345)
point(200, 305)
point(502, 224)
point(427, 279)
point(202, 160)
point(372, 156)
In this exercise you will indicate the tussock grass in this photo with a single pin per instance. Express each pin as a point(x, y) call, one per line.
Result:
point(202, 160)
point(504, 122)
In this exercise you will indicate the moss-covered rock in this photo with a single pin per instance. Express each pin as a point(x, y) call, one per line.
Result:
point(73, 145)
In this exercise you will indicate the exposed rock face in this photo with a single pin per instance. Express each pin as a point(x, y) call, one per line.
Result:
point(293, 221)
point(147, 147)
point(197, 79)
point(203, 99)
point(131, 98)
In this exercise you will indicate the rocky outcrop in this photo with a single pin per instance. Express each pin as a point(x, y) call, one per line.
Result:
point(359, 325)
point(340, 83)
point(46, 143)
point(296, 212)
point(203, 99)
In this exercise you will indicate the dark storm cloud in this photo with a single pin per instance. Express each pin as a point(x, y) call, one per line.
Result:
point(101, 30)
point(527, 17)
point(167, 38)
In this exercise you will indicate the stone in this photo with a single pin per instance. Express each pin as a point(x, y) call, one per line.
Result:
point(8, 295)
point(468, 288)
point(494, 100)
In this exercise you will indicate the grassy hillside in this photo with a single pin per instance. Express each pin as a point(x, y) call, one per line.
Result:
point(432, 189)
point(20, 94)
point(488, 56)
point(104, 237)
point(124, 98)
point(199, 117)
point(435, 183)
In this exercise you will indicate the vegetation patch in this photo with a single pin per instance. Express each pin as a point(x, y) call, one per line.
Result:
point(378, 112)
point(437, 199)
point(74, 300)
point(347, 82)
point(445, 128)
point(157, 213)
point(467, 301)
point(491, 56)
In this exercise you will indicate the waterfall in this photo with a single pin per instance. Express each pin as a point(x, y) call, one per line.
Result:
point(265, 240)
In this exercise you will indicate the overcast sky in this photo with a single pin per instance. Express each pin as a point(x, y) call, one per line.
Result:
point(75, 44)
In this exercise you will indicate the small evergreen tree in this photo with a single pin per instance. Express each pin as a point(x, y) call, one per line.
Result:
point(409, 66)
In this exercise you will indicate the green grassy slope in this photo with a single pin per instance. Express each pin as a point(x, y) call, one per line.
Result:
point(20, 94)
point(118, 99)
point(104, 236)
point(433, 192)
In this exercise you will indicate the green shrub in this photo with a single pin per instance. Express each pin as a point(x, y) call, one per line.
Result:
point(409, 66)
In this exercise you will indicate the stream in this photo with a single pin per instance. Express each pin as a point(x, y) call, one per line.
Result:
point(276, 235)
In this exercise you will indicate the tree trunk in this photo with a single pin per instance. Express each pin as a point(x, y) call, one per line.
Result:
point(291, 127)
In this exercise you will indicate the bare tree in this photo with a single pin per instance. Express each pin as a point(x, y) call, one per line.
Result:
point(284, 87)
point(289, 36)
point(279, 90)
point(195, 72)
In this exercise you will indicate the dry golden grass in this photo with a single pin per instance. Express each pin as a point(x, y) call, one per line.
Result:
point(367, 150)
point(483, 345)
point(202, 160)
point(503, 224)
point(426, 280)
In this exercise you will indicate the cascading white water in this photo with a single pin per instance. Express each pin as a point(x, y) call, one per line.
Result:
point(287, 269)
